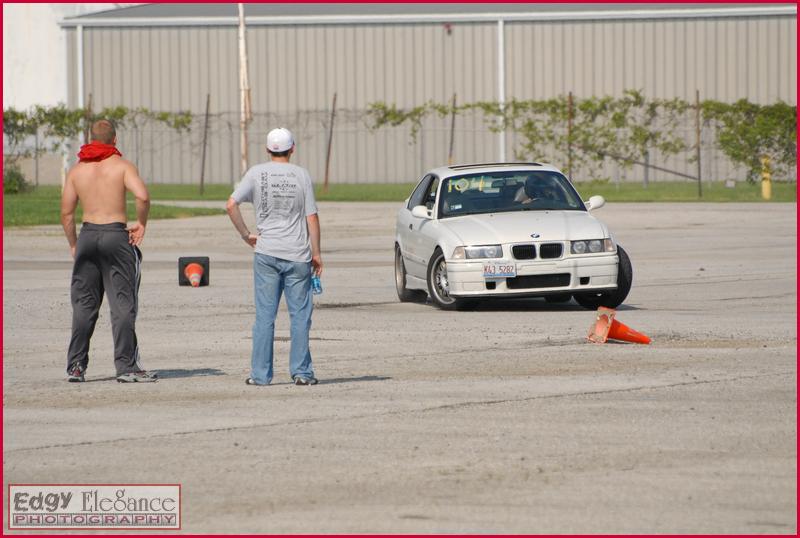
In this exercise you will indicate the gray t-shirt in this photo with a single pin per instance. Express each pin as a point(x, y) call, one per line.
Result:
point(283, 196)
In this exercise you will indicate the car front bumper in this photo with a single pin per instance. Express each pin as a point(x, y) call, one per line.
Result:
point(535, 277)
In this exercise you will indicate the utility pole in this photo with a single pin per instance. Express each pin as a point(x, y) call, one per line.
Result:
point(570, 112)
point(36, 153)
point(205, 140)
point(698, 133)
point(87, 120)
point(330, 145)
point(501, 85)
point(246, 113)
point(452, 130)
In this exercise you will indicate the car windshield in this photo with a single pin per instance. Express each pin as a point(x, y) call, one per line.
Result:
point(494, 192)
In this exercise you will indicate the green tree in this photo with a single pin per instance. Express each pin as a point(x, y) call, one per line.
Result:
point(747, 131)
point(621, 129)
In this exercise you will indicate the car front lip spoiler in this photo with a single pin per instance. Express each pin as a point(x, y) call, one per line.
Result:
point(529, 293)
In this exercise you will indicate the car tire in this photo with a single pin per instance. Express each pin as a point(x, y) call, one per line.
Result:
point(559, 298)
point(404, 294)
point(614, 298)
point(438, 286)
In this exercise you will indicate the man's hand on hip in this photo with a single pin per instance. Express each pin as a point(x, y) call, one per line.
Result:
point(136, 233)
point(250, 239)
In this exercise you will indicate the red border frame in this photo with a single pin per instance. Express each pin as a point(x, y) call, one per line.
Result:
point(797, 287)
point(180, 511)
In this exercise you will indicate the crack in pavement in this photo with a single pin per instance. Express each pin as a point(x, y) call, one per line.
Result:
point(442, 407)
point(545, 343)
point(723, 279)
point(666, 338)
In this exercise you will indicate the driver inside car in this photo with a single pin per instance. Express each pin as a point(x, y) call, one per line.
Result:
point(532, 190)
point(538, 188)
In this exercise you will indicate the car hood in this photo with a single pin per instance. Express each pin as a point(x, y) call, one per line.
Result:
point(519, 226)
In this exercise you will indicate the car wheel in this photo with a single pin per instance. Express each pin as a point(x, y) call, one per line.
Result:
point(404, 294)
point(611, 299)
point(559, 298)
point(439, 285)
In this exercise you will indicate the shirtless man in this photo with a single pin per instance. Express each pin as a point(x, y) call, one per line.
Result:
point(107, 255)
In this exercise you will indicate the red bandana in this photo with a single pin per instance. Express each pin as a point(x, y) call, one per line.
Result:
point(97, 151)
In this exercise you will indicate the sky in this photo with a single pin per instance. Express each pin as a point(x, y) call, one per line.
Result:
point(35, 52)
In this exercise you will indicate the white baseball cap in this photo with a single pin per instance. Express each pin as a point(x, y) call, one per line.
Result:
point(280, 140)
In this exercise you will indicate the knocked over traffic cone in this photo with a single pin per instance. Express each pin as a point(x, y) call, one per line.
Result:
point(606, 327)
point(193, 271)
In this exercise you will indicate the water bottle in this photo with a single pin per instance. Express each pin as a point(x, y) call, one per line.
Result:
point(316, 285)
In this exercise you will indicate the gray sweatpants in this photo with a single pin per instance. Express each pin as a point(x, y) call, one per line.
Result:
point(105, 262)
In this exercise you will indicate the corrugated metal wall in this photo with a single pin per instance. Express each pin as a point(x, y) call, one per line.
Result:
point(726, 59)
point(294, 71)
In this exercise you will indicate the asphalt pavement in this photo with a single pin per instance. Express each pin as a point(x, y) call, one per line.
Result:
point(503, 419)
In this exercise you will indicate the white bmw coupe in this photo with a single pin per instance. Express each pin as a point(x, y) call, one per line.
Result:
point(505, 230)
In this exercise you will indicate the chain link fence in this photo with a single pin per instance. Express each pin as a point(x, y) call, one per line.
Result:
point(360, 154)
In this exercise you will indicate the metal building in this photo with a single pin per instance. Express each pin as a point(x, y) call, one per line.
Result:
point(170, 56)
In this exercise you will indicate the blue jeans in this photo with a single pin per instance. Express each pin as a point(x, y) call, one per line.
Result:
point(273, 276)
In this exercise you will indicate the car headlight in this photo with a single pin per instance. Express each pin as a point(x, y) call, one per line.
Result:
point(593, 246)
point(472, 253)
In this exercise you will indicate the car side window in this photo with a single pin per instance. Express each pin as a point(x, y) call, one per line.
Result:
point(418, 196)
point(430, 199)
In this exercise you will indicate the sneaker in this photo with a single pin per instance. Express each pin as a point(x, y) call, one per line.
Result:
point(252, 382)
point(138, 377)
point(76, 375)
point(298, 380)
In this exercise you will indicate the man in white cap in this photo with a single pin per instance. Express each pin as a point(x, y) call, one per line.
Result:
point(287, 252)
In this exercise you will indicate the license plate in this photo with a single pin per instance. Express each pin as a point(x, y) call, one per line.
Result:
point(499, 269)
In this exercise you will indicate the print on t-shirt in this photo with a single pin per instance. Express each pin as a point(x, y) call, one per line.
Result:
point(283, 196)
point(263, 187)
point(284, 191)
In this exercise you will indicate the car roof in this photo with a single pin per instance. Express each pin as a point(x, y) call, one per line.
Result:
point(461, 169)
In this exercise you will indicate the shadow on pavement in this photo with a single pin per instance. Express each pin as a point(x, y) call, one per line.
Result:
point(184, 372)
point(172, 374)
point(533, 305)
point(353, 379)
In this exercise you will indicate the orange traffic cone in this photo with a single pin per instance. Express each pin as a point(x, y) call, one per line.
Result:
point(606, 327)
point(194, 272)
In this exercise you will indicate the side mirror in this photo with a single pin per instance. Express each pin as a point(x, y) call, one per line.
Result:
point(595, 202)
point(421, 212)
